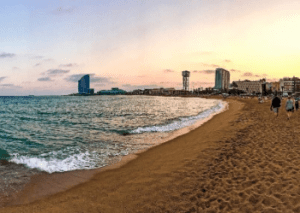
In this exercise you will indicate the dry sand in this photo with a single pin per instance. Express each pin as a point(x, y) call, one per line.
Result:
point(242, 160)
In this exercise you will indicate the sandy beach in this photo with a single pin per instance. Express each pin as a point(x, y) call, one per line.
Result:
point(242, 160)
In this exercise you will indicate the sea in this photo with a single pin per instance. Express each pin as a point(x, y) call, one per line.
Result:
point(65, 133)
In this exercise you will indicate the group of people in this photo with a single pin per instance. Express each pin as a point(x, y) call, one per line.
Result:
point(290, 106)
point(261, 100)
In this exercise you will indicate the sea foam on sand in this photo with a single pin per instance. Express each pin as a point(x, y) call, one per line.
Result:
point(182, 122)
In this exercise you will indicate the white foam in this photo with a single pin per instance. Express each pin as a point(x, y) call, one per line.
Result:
point(183, 122)
point(67, 159)
point(78, 161)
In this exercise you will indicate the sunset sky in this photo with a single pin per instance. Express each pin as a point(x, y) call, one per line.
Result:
point(46, 46)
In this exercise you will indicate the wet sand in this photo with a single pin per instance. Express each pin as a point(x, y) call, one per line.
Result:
point(13, 178)
point(242, 160)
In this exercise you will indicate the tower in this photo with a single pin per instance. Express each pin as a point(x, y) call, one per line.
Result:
point(186, 78)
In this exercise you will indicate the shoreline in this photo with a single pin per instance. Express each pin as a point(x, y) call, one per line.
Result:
point(45, 184)
point(40, 188)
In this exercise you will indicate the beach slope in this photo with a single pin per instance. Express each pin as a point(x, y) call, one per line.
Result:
point(242, 160)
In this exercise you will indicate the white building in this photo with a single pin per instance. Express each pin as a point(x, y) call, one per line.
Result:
point(251, 86)
point(287, 84)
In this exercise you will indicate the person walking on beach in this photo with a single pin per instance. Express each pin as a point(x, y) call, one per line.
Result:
point(296, 103)
point(275, 104)
point(289, 106)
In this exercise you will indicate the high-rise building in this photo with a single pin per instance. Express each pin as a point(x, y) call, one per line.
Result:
point(84, 84)
point(222, 79)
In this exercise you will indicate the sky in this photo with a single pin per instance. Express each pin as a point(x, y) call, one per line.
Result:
point(46, 46)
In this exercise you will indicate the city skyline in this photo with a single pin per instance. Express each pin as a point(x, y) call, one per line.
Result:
point(47, 46)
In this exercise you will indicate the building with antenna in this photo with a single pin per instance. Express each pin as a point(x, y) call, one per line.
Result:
point(222, 79)
point(186, 79)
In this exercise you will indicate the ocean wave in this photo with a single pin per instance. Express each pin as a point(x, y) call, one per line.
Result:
point(84, 160)
point(181, 122)
point(68, 159)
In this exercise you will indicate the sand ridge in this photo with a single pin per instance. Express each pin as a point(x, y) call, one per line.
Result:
point(242, 160)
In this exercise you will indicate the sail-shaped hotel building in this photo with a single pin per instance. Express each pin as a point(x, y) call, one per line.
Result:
point(84, 84)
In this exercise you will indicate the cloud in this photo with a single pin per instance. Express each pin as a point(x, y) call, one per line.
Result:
point(126, 85)
point(15, 68)
point(56, 72)
point(68, 65)
point(45, 79)
point(74, 78)
point(48, 59)
point(38, 64)
point(210, 65)
point(2, 78)
point(248, 74)
point(93, 79)
point(10, 86)
point(7, 55)
point(227, 61)
point(100, 80)
point(234, 70)
point(204, 71)
point(168, 70)
point(63, 10)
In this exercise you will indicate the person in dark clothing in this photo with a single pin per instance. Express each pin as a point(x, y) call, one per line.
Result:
point(275, 104)
point(297, 103)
